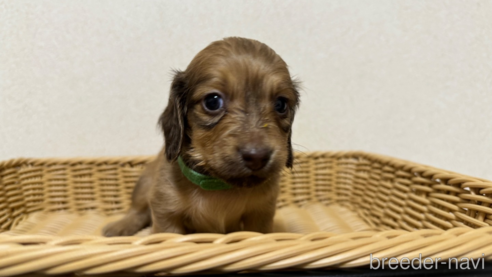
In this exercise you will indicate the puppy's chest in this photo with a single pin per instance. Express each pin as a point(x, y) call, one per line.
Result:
point(220, 204)
point(217, 211)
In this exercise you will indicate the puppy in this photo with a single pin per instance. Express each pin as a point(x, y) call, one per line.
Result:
point(227, 130)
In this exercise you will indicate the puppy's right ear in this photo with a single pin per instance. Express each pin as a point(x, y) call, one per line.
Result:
point(173, 119)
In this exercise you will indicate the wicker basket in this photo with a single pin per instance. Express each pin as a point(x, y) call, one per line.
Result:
point(335, 209)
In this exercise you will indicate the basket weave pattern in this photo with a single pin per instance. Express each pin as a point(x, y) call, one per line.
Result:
point(334, 210)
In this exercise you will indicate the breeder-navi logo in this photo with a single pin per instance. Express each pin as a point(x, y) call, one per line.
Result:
point(427, 263)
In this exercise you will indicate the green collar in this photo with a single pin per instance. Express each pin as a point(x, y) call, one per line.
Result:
point(203, 181)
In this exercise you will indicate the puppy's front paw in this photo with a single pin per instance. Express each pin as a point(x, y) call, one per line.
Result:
point(128, 225)
point(119, 228)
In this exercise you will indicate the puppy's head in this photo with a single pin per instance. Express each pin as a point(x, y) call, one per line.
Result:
point(231, 111)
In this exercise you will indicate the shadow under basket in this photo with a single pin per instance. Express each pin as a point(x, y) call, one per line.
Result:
point(335, 209)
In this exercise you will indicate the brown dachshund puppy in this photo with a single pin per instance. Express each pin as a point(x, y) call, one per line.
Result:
point(227, 130)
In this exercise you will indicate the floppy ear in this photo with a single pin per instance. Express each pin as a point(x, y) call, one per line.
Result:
point(173, 119)
point(290, 156)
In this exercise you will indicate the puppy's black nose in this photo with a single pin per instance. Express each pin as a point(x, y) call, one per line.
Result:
point(255, 158)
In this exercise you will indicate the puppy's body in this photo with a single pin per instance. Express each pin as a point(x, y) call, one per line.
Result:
point(179, 206)
point(229, 116)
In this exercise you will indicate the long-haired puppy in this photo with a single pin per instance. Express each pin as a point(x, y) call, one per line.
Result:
point(227, 130)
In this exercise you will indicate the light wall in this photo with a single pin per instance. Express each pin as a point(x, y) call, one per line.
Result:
point(410, 79)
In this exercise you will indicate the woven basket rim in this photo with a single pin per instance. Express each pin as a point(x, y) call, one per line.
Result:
point(426, 170)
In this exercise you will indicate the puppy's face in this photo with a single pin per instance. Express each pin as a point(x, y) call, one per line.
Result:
point(230, 113)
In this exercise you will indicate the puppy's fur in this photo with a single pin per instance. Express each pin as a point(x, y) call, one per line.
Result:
point(250, 77)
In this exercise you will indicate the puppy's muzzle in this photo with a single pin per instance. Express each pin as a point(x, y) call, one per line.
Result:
point(255, 157)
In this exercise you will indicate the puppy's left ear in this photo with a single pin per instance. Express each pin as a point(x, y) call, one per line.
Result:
point(173, 119)
point(290, 155)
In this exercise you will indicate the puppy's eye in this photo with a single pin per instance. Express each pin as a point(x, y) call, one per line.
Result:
point(213, 102)
point(281, 105)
